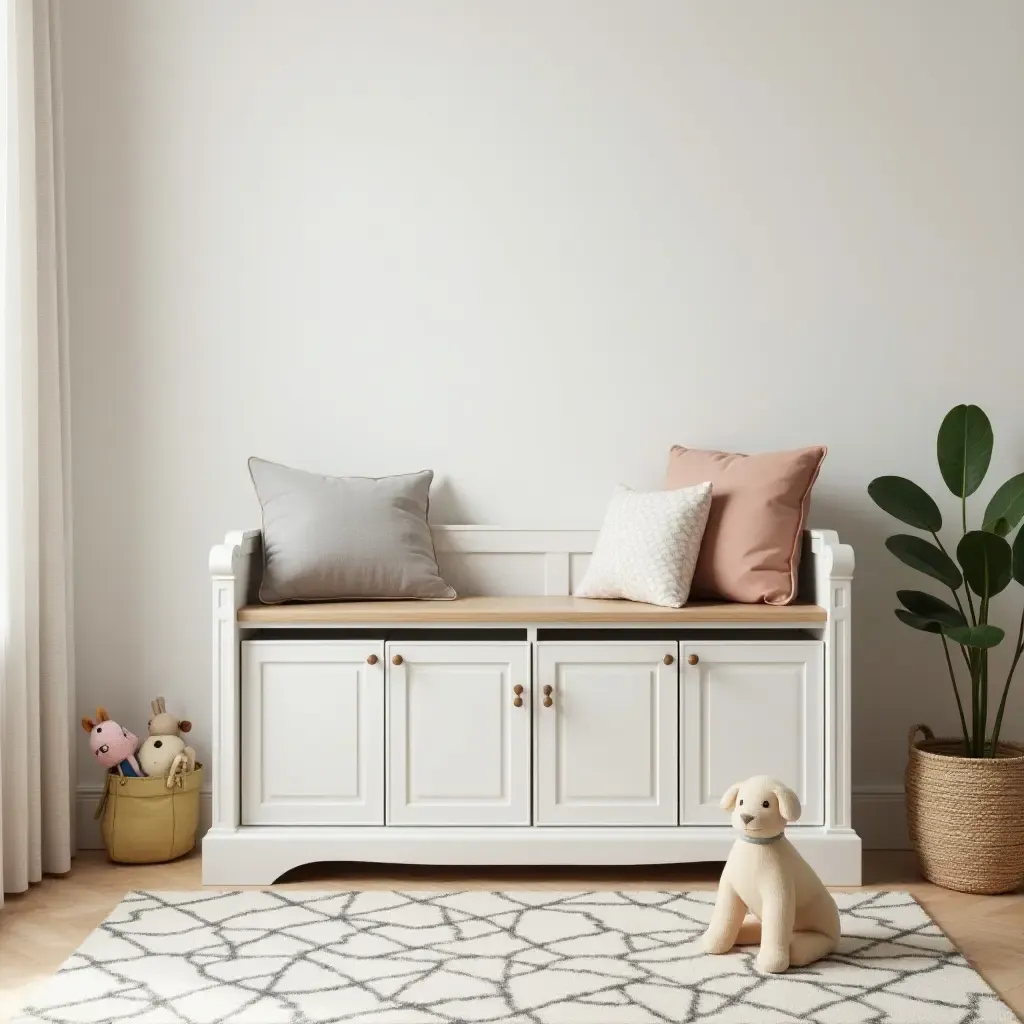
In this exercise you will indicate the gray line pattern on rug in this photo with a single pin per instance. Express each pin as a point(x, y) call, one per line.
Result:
point(298, 957)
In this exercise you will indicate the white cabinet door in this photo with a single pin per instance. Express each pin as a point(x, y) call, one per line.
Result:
point(312, 732)
point(606, 733)
point(751, 709)
point(458, 744)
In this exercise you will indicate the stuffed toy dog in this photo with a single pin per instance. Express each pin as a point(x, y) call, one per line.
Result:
point(798, 921)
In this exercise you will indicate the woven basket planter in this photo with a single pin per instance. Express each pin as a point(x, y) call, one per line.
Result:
point(965, 814)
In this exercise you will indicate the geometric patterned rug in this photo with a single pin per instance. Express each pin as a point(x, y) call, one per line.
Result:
point(263, 957)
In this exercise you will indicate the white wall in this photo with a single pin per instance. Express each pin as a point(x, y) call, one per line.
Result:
point(530, 244)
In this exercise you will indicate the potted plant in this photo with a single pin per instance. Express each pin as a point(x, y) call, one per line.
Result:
point(965, 796)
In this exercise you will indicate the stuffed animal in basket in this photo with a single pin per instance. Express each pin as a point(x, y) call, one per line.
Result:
point(158, 754)
point(164, 752)
point(165, 724)
point(797, 921)
point(112, 745)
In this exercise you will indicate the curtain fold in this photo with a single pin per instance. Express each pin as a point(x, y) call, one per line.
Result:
point(36, 673)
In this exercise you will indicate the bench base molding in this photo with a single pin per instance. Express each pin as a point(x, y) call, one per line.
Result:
point(259, 855)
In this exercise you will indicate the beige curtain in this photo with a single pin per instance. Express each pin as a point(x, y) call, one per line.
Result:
point(36, 678)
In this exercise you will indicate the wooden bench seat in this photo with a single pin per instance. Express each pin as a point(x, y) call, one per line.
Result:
point(532, 610)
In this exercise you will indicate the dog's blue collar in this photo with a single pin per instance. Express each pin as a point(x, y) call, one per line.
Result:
point(762, 842)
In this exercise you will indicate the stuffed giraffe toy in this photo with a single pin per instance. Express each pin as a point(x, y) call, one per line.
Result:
point(112, 745)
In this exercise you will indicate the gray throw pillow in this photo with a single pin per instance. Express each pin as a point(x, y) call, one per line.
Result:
point(328, 538)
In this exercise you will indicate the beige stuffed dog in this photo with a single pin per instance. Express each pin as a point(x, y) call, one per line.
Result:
point(798, 921)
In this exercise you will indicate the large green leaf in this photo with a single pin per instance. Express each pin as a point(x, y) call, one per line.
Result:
point(1000, 527)
point(964, 449)
point(1018, 557)
point(928, 606)
point(986, 561)
point(924, 556)
point(906, 501)
point(917, 621)
point(975, 636)
point(1007, 503)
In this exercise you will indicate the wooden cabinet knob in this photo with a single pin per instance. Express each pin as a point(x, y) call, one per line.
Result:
point(518, 702)
point(693, 659)
point(548, 702)
point(371, 659)
point(517, 689)
point(396, 660)
point(669, 659)
point(547, 691)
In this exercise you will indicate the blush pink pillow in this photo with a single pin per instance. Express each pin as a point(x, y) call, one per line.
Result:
point(751, 546)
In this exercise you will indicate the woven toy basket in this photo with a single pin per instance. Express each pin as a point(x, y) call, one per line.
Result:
point(145, 822)
point(965, 814)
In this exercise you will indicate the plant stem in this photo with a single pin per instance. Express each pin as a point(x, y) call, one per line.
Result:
point(983, 712)
point(967, 586)
point(983, 620)
point(967, 660)
point(970, 604)
point(956, 693)
point(1006, 688)
point(959, 603)
point(973, 655)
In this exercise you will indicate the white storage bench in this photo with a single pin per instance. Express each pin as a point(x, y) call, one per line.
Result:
point(521, 725)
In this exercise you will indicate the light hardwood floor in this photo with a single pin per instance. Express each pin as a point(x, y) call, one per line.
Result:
point(40, 929)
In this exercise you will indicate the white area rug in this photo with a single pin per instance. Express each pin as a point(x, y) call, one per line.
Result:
point(407, 957)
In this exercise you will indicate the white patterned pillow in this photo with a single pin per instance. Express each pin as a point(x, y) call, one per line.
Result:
point(647, 549)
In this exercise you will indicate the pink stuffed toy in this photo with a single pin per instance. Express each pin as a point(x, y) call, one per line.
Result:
point(112, 745)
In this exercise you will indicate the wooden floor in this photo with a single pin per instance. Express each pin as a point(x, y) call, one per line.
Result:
point(40, 929)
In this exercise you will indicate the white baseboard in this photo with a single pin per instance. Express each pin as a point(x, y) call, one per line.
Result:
point(878, 817)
